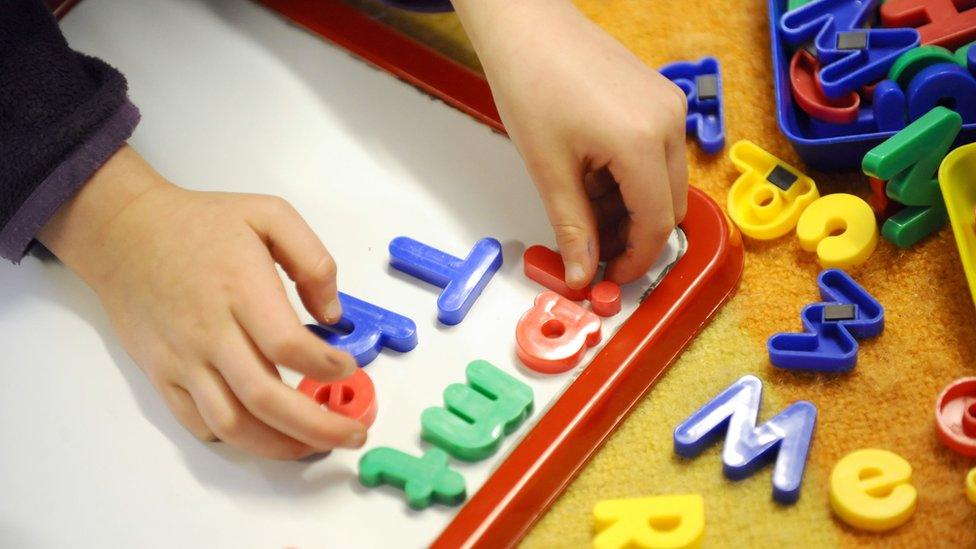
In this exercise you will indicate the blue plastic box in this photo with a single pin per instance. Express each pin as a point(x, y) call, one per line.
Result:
point(823, 153)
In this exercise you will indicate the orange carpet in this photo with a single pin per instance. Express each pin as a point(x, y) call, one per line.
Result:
point(886, 402)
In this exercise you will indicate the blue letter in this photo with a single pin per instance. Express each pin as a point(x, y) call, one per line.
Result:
point(365, 328)
point(702, 83)
point(747, 447)
point(851, 55)
point(462, 280)
point(829, 341)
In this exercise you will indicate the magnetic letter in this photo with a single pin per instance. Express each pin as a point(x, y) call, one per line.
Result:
point(767, 199)
point(871, 489)
point(353, 397)
point(831, 328)
point(702, 83)
point(478, 415)
point(939, 22)
point(365, 328)
point(552, 336)
point(424, 480)
point(852, 56)
point(840, 228)
point(735, 410)
point(546, 267)
point(908, 161)
point(671, 522)
point(462, 280)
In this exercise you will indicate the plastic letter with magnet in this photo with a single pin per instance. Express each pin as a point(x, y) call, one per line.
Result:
point(908, 161)
point(852, 56)
point(955, 416)
point(657, 522)
point(831, 328)
point(366, 328)
point(552, 336)
point(767, 199)
point(748, 447)
point(702, 83)
point(871, 490)
point(840, 228)
point(353, 397)
point(424, 480)
point(476, 416)
point(462, 280)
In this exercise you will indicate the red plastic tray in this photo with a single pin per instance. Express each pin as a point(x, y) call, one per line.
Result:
point(576, 426)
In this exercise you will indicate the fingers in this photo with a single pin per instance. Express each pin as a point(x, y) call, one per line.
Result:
point(675, 111)
point(599, 183)
point(232, 423)
point(302, 255)
point(282, 408)
point(185, 409)
point(676, 155)
point(611, 213)
point(268, 318)
point(613, 239)
point(572, 219)
point(646, 191)
point(610, 210)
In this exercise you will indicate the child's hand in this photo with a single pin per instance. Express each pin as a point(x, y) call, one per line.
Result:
point(189, 282)
point(601, 133)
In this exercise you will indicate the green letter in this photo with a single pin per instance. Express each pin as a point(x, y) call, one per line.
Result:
point(477, 415)
point(908, 161)
point(424, 479)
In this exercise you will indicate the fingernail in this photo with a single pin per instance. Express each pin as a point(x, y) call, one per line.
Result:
point(575, 273)
point(333, 311)
point(355, 440)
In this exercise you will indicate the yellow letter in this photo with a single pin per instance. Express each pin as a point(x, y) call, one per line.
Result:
point(971, 486)
point(650, 523)
point(766, 200)
point(870, 489)
point(840, 228)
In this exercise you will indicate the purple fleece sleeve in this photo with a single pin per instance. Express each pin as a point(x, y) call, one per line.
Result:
point(421, 5)
point(62, 115)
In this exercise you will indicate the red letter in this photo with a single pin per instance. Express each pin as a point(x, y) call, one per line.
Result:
point(939, 22)
point(552, 336)
point(353, 397)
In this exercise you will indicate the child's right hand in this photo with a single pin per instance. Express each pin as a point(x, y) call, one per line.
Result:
point(189, 282)
point(601, 133)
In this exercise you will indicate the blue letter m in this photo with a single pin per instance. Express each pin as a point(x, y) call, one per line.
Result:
point(747, 447)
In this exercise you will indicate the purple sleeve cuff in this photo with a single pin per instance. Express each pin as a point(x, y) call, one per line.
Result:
point(429, 6)
point(62, 183)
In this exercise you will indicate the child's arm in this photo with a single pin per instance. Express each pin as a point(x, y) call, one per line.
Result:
point(62, 114)
point(188, 279)
point(189, 282)
point(602, 134)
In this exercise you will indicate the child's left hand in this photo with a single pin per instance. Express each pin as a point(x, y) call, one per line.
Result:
point(601, 133)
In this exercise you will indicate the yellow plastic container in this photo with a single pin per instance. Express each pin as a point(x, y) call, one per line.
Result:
point(957, 179)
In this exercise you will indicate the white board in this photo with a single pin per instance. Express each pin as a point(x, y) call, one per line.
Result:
point(235, 99)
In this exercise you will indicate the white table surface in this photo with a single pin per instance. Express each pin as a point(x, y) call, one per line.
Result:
point(234, 98)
